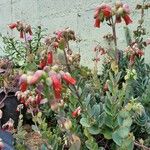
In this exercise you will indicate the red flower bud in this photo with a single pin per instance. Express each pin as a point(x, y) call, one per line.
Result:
point(13, 25)
point(57, 87)
point(42, 64)
point(22, 100)
point(97, 23)
point(69, 79)
point(36, 77)
point(76, 113)
point(50, 57)
point(21, 34)
point(127, 19)
point(23, 86)
point(23, 82)
point(140, 53)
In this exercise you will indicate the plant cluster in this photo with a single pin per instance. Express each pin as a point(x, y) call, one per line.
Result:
point(71, 106)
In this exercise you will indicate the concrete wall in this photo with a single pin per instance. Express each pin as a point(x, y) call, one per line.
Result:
point(58, 14)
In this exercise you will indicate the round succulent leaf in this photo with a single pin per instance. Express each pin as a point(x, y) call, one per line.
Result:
point(94, 130)
point(123, 131)
point(116, 138)
point(85, 122)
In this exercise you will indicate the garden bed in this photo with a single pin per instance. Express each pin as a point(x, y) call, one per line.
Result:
point(59, 104)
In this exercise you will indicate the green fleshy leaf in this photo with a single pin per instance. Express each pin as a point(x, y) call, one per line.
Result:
point(94, 130)
point(85, 122)
point(107, 132)
point(116, 138)
point(123, 131)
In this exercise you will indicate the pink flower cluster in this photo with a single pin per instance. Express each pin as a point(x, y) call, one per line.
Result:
point(23, 28)
point(37, 79)
point(102, 12)
point(105, 12)
point(122, 11)
point(133, 51)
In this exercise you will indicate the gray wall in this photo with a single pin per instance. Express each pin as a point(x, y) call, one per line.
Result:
point(58, 14)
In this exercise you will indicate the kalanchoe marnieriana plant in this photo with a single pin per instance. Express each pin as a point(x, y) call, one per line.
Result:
point(68, 103)
point(138, 44)
point(112, 16)
point(45, 87)
point(113, 113)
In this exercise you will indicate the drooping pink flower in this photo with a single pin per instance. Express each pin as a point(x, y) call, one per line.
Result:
point(97, 17)
point(23, 86)
point(23, 82)
point(42, 63)
point(12, 25)
point(97, 23)
point(140, 53)
point(106, 9)
point(57, 87)
point(77, 112)
point(36, 77)
point(123, 11)
point(127, 19)
point(50, 58)
point(22, 100)
point(126, 8)
point(59, 34)
point(22, 27)
point(69, 79)
point(101, 12)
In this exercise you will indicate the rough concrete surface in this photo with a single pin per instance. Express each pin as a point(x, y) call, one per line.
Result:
point(76, 14)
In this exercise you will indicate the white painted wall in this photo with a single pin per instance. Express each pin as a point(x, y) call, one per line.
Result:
point(58, 14)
